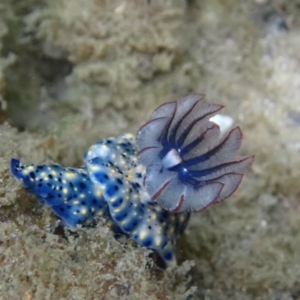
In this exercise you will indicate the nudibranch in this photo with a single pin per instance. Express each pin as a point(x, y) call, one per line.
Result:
point(146, 187)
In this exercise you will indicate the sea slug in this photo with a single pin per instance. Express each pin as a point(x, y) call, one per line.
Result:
point(146, 186)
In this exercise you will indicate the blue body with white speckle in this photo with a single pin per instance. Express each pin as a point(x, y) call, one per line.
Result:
point(68, 191)
point(109, 185)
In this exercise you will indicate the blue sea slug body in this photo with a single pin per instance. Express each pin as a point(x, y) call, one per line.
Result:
point(146, 187)
point(69, 192)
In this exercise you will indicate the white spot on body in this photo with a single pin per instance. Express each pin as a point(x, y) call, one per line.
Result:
point(224, 122)
point(171, 159)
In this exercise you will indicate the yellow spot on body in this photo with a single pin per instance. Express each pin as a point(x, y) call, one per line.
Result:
point(53, 173)
point(82, 195)
point(104, 147)
point(130, 177)
point(99, 193)
point(43, 174)
point(64, 182)
point(143, 235)
point(76, 202)
point(94, 168)
point(158, 208)
point(158, 242)
point(70, 175)
point(30, 168)
point(83, 211)
point(65, 191)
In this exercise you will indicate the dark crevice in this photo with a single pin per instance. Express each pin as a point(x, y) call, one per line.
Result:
point(35, 82)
